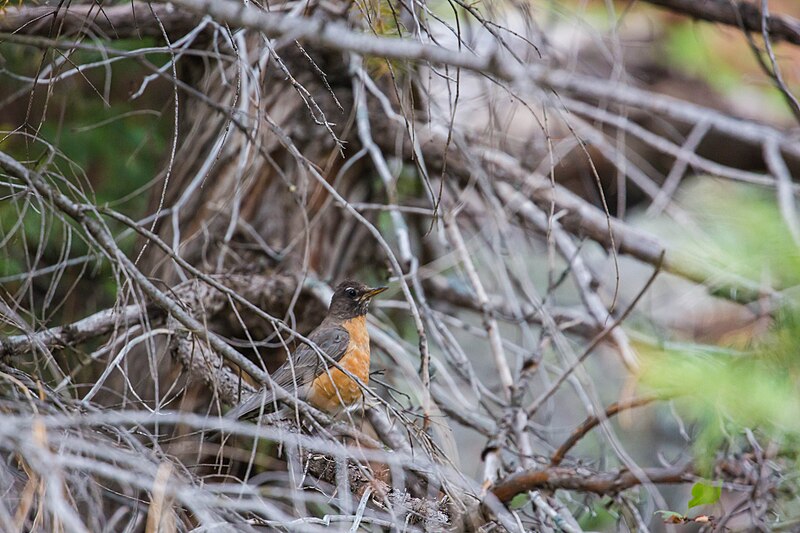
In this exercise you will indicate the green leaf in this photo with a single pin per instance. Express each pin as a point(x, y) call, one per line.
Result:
point(704, 494)
point(670, 516)
point(518, 501)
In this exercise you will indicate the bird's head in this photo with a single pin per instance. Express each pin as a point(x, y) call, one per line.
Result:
point(351, 299)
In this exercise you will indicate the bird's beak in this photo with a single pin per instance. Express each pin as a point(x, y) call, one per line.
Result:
point(373, 292)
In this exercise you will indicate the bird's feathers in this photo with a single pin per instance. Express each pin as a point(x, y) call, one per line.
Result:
point(296, 374)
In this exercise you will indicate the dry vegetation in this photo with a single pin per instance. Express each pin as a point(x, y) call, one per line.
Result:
point(483, 158)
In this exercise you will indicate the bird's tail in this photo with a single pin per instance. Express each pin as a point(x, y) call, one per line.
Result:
point(251, 407)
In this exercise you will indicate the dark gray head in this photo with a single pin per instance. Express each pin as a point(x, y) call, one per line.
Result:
point(351, 299)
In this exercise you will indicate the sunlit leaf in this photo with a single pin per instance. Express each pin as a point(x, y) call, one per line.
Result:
point(519, 501)
point(671, 517)
point(704, 494)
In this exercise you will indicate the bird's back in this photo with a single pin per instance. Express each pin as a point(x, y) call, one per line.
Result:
point(298, 373)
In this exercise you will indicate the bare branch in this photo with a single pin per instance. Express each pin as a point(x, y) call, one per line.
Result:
point(85, 329)
point(460, 156)
point(490, 323)
point(337, 36)
point(100, 233)
point(133, 19)
point(786, 200)
point(585, 480)
point(591, 422)
point(730, 12)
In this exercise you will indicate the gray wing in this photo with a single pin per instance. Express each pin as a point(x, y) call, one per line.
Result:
point(299, 371)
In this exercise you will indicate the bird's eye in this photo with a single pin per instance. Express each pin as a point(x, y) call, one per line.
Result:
point(351, 292)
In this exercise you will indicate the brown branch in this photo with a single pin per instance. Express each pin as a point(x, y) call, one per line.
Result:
point(134, 19)
point(585, 480)
point(593, 421)
point(735, 13)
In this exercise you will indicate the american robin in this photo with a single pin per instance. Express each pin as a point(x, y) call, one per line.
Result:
point(343, 336)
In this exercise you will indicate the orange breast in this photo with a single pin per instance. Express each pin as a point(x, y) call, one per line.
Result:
point(332, 389)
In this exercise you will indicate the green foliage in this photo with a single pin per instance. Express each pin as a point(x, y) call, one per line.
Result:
point(743, 233)
point(704, 494)
point(723, 391)
point(757, 388)
point(600, 517)
point(725, 394)
point(519, 501)
point(108, 147)
point(670, 516)
point(702, 52)
point(687, 51)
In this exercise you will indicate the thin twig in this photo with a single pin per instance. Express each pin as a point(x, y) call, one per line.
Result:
point(591, 422)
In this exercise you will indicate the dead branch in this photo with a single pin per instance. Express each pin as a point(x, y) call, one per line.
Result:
point(78, 332)
point(585, 480)
point(584, 219)
point(569, 319)
point(106, 242)
point(578, 216)
point(591, 422)
point(735, 13)
point(304, 163)
point(336, 36)
point(133, 19)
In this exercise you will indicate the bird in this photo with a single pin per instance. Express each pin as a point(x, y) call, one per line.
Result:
point(343, 336)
